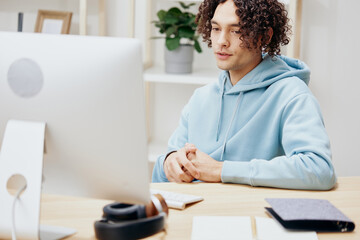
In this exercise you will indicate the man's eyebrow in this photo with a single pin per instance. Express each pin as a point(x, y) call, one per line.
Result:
point(231, 25)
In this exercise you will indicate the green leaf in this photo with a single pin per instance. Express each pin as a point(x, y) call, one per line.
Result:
point(159, 24)
point(157, 37)
point(171, 30)
point(186, 32)
point(172, 16)
point(171, 20)
point(197, 46)
point(174, 11)
point(161, 15)
point(162, 27)
point(186, 6)
point(189, 20)
point(172, 43)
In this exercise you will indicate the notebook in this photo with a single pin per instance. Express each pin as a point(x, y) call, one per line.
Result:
point(221, 227)
point(270, 229)
point(309, 214)
point(243, 228)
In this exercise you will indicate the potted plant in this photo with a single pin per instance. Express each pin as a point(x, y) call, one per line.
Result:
point(181, 39)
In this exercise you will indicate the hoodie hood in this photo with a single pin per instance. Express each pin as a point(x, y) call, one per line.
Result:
point(270, 70)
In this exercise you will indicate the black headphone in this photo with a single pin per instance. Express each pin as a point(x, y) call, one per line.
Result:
point(125, 221)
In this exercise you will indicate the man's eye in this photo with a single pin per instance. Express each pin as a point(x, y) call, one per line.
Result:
point(236, 31)
point(215, 29)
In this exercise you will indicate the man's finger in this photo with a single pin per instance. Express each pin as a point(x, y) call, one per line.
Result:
point(191, 156)
point(185, 177)
point(177, 171)
point(184, 161)
point(189, 147)
point(172, 169)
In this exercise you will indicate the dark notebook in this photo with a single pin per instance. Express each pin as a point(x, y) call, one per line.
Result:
point(309, 214)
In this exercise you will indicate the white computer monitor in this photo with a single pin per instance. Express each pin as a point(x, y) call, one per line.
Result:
point(89, 91)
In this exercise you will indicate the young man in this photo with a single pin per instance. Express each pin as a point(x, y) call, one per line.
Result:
point(259, 124)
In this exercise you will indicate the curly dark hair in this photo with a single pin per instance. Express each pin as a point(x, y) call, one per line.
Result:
point(256, 17)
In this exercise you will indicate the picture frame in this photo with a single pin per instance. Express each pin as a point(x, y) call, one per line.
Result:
point(53, 22)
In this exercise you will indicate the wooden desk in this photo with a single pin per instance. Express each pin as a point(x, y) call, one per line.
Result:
point(220, 199)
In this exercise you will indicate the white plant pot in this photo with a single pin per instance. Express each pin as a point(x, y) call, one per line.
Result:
point(179, 61)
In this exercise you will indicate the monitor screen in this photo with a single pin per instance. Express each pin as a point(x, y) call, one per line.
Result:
point(89, 91)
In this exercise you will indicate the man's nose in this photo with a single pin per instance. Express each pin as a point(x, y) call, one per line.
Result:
point(223, 39)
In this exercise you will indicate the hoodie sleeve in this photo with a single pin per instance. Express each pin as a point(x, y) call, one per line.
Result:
point(176, 141)
point(307, 160)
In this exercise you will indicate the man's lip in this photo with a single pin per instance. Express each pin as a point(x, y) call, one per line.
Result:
point(223, 53)
point(222, 56)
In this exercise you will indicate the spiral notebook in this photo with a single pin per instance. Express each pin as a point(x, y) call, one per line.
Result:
point(309, 214)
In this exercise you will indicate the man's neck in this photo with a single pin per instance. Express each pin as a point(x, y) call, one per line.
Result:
point(237, 75)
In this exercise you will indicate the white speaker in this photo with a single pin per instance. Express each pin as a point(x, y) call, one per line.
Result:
point(25, 77)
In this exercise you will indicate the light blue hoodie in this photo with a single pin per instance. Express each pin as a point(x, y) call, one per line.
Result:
point(267, 129)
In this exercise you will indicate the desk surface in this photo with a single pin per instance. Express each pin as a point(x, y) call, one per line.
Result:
point(219, 199)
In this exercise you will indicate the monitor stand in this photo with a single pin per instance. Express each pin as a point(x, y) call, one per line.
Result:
point(21, 157)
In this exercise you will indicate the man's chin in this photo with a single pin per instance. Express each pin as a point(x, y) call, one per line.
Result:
point(222, 66)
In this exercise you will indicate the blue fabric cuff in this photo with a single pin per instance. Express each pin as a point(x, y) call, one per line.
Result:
point(236, 172)
point(158, 174)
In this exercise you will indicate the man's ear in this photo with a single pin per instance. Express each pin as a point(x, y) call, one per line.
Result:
point(270, 33)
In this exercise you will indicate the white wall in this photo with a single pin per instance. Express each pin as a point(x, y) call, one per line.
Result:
point(330, 42)
point(117, 15)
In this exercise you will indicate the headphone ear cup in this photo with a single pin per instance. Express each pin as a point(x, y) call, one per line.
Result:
point(121, 212)
point(132, 229)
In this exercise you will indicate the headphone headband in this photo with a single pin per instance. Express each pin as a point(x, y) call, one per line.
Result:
point(125, 221)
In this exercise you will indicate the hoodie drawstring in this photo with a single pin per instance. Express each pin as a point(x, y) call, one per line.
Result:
point(219, 116)
point(230, 125)
point(220, 108)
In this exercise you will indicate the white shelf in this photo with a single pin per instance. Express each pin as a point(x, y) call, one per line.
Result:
point(155, 149)
point(198, 76)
